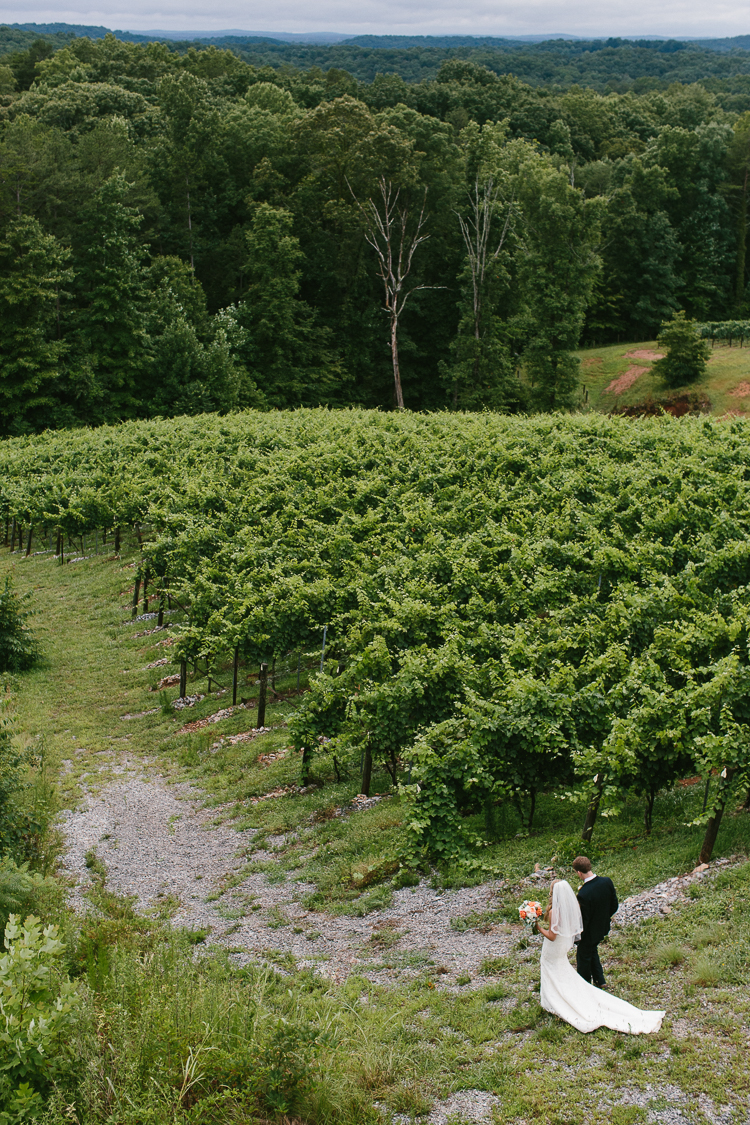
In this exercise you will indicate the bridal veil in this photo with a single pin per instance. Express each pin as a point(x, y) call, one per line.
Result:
point(565, 917)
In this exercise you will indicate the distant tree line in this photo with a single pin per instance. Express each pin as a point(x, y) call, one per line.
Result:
point(181, 231)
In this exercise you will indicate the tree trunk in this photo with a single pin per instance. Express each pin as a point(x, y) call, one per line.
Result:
point(306, 752)
point(117, 540)
point(591, 813)
point(713, 825)
point(396, 370)
point(741, 245)
point(532, 807)
point(28, 542)
point(367, 771)
point(649, 813)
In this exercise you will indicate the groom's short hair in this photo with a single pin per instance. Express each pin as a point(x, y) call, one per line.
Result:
point(582, 863)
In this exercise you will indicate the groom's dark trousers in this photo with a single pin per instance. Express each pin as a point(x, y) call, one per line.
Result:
point(598, 902)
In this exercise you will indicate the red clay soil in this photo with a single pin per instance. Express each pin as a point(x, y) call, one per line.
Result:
point(741, 390)
point(644, 353)
point(621, 384)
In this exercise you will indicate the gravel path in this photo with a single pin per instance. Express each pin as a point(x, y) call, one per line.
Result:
point(156, 841)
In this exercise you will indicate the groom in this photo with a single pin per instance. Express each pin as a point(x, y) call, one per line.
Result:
point(597, 899)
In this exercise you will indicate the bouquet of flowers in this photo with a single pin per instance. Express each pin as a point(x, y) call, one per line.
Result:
point(530, 912)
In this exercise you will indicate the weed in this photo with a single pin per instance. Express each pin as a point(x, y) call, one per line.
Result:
point(709, 935)
point(668, 954)
point(385, 935)
point(275, 919)
point(491, 966)
point(706, 972)
point(95, 864)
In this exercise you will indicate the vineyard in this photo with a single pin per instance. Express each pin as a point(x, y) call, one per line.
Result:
point(495, 607)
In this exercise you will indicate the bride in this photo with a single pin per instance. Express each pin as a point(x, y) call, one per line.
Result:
point(564, 992)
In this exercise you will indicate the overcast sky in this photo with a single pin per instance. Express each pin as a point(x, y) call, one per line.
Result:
point(413, 17)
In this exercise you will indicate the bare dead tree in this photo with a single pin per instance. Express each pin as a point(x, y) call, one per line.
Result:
point(387, 231)
point(476, 234)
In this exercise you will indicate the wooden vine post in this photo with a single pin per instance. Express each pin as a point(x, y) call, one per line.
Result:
point(117, 540)
point(235, 672)
point(136, 593)
point(261, 721)
point(183, 679)
point(145, 589)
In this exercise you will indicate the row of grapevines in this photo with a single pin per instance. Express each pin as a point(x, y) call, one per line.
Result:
point(725, 330)
point(512, 605)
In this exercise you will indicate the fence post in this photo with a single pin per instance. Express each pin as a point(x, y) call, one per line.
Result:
point(261, 720)
point(235, 673)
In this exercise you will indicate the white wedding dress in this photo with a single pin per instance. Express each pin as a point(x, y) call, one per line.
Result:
point(567, 995)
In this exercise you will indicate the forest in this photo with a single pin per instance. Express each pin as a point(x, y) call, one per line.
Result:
point(184, 230)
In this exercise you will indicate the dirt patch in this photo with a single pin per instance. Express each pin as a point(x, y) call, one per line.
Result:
point(590, 361)
point(621, 384)
point(644, 353)
point(741, 390)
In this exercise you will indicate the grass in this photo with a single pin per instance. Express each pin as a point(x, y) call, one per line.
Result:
point(157, 999)
point(727, 368)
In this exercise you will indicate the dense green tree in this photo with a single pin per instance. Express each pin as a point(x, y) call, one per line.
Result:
point(558, 263)
point(33, 272)
point(687, 353)
point(283, 349)
point(111, 351)
point(639, 281)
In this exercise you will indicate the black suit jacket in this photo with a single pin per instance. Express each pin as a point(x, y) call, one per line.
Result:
point(598, 902)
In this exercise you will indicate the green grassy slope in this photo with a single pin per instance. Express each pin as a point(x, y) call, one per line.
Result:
point(728, 370)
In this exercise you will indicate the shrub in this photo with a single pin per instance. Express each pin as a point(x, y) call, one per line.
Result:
point(18, 649)
point(38, 1004)
point(687, 353)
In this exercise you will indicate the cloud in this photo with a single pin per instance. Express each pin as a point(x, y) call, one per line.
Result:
point(412, 17)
